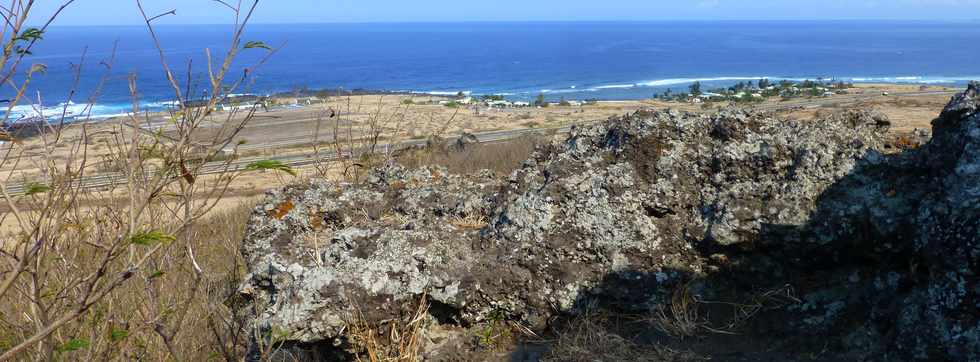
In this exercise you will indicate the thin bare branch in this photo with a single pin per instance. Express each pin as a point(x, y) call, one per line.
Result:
point(171, 12)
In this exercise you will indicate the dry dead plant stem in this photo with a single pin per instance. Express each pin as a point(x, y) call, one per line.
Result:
point(402, 342)
point(681, 317)
point(85, 271)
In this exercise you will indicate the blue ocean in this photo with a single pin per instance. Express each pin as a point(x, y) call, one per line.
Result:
point(575, 60)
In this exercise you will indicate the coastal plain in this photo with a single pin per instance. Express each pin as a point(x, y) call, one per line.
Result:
point(303, 128)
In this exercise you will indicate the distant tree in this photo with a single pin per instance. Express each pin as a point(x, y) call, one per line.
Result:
point(764, 83)
point(696, 88)
point(493, 97)
point(460, 95)
point(563, 102)
point(785, 84)
point(740, 86)
point(539, 101)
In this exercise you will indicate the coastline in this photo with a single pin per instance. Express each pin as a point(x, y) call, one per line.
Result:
point(607, 94)
point(287, 120)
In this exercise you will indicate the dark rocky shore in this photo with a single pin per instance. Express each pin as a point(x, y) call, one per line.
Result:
point(793, 240)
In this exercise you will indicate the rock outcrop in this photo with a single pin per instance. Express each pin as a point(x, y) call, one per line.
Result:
point(881, 250)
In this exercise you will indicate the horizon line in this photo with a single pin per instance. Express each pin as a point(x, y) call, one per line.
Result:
point(910, 20)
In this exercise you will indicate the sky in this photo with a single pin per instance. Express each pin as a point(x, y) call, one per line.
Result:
point(124, 12)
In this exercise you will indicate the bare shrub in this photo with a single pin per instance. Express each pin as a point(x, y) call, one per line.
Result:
point(500, 157)
point(110, 258)
point(357, 145)
point(592, 336)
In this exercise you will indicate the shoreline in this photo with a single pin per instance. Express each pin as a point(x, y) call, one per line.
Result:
point(83, 112)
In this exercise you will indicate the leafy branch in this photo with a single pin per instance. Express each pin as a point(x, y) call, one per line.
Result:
point(272, 165)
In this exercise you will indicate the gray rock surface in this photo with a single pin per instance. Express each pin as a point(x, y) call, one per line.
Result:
point(626, 210)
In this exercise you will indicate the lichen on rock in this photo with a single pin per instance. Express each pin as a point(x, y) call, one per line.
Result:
point(882, 248)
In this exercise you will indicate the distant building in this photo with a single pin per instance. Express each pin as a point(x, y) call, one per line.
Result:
point(521, 104)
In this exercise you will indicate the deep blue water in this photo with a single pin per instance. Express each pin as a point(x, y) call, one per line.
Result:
point(574, 60)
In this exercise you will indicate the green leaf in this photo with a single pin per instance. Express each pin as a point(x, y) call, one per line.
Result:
point(35, 188)
point(73, 345)
point(270, 165)
point(156, 275)
point(30, 34)
point(118, 335)
point(279, 335)
point(147, 238)
point(257, 45)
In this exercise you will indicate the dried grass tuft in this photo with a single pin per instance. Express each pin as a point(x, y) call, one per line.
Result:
point(394, 342)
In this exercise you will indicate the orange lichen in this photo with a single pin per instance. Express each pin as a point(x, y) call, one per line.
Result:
point(281, 210)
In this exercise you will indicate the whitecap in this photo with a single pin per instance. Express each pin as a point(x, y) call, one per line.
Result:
point(442, 93)
point(616, 86)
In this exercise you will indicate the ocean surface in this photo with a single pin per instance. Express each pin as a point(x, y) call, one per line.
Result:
point(581, 60)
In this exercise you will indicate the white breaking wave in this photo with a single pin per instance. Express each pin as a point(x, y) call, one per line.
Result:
point(166, 104)
point(568, 90)
point(70, 109)
point(76, 111)
point(659, 83)
point(679, 81)
point(442, 93)
point(110, 115)
point(615, 86)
